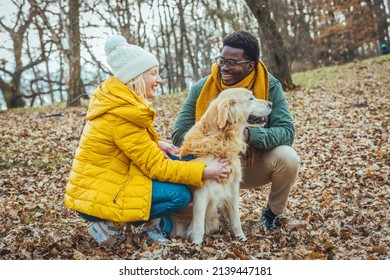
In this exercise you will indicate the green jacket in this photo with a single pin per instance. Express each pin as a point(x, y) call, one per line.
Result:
point(278, 131)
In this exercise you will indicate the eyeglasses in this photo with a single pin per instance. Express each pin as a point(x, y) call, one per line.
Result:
point(229, 63)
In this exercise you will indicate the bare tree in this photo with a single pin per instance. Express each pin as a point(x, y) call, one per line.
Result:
point(74, 60)
point(65, 35)
point(37, 89)
point(120, 16)
point(272, 42)
point(55, 38)
point(12, 89)
point(166, 65)
point(186, 41)
point(292, 17)
point(178, 67)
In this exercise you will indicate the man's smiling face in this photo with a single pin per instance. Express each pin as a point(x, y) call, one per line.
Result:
point(233, 75)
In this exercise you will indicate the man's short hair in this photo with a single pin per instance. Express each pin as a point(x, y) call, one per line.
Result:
point(245, 41)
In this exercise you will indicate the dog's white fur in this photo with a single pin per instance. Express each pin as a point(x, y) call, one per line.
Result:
point(219, 133)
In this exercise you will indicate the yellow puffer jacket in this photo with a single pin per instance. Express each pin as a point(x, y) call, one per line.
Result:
point(118, 156)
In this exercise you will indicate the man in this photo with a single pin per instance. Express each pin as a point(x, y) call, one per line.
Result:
point(270, 156)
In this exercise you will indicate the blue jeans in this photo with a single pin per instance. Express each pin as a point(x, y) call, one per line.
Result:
point(167, 198)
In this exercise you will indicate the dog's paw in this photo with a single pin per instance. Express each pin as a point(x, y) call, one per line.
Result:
point(241, 237)
point(197, 240)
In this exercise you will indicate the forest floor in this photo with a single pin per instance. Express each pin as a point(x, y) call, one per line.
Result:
point(338, 208)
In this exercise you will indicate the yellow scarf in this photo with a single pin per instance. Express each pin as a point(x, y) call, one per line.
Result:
point(257, 81)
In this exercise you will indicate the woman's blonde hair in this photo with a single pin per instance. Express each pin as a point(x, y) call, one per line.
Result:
point(138, 85)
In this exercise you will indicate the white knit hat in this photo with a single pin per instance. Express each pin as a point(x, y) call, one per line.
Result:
point(127, 61)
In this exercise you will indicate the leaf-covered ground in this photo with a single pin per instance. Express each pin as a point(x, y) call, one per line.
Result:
point(338, 209)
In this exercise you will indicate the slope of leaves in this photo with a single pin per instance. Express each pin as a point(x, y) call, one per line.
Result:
point(338, 208)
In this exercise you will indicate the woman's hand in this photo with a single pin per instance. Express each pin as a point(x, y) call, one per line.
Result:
point(168, 148)
point(216, 170)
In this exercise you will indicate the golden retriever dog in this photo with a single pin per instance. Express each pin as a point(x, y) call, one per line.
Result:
point(219, 133)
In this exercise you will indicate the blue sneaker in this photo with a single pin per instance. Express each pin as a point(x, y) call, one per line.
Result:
point(153, 230)
point(107, 233)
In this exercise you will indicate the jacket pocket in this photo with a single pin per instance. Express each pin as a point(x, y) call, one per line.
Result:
point(122, 188)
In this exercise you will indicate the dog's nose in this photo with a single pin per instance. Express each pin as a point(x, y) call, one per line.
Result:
point(270, 104)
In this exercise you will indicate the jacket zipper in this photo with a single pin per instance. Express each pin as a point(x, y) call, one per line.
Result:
point(122, 188)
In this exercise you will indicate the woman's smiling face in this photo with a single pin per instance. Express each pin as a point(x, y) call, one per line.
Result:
point(152, 80)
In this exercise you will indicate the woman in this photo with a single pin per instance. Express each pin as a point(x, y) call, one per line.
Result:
point(121, 171)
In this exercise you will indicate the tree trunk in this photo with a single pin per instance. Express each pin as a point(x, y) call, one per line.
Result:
point(166, 42)
point(183, 45)
point(74, 90)
point(11, 92)
point(178, 46)
point(272, 42)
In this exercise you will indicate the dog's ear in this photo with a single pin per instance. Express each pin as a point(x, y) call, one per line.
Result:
point(222, 113)
point(225, 114)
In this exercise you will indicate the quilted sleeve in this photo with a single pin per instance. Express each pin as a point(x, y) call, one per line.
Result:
point(136, 142)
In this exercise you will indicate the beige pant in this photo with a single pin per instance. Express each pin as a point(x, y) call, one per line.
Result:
point(279, 166)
